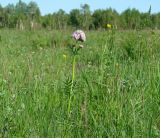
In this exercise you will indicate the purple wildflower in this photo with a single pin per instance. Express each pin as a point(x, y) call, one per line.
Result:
point(79, 35)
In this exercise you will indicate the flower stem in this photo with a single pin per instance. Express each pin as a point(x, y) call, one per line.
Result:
point(73, 70)
point(73, 77)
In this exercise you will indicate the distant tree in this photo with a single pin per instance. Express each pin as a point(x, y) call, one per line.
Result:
point(47, 21)
point(2, 21)
point(33, 13)
point(155, 18)
point(130, 19)
point(87, 18)
point(61, 19)
point(10, 19)
point(145, 20)
point(99, 18)
point(75, 18)
point(149, 22)
point(112, 17)
point(21, 14)
point(21, 8)
point(33, 10)
point(103, 17)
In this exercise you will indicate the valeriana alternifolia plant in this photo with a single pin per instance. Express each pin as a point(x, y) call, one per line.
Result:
point(79, 37)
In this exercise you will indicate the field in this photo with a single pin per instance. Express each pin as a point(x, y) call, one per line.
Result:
point(115, 93)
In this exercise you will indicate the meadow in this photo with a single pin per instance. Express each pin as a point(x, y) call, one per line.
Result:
point(116, 92)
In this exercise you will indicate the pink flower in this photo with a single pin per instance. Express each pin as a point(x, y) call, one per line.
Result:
point(79, 35)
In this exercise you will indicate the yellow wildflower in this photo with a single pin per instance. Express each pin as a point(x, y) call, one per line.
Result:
point(64, 56)
point(109, 26)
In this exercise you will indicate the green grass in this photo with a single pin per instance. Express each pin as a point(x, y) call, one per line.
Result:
point(116, 93)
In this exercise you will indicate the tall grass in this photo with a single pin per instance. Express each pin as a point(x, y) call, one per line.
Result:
point(116, 90)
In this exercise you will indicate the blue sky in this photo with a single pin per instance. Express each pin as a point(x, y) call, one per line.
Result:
point(50, 6)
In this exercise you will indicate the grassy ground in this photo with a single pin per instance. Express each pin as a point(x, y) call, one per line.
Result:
point(116, 90)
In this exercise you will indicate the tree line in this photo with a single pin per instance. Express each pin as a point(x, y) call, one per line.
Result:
point(28, 16)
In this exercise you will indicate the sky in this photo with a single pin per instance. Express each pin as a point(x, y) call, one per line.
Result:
point(50, 6)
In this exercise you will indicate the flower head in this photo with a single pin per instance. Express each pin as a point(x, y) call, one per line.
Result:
point(109, 26)
point(64, 56)
point(79, 35)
